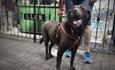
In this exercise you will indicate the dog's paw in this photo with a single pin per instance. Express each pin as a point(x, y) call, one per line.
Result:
point(72, 68)
point(47, 58)
point(51, 56)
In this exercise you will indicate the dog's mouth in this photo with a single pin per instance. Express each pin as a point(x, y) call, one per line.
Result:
point(77, 21)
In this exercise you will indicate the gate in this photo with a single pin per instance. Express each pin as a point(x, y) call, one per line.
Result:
point(27, 16)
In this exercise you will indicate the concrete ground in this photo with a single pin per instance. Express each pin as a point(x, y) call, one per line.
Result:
point(23, 54)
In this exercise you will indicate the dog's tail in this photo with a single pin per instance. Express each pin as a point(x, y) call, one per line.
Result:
point(41, 40)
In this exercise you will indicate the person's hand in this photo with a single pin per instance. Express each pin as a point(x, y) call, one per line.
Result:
point(60, 13)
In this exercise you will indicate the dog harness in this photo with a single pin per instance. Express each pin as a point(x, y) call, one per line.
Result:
point(75, 39)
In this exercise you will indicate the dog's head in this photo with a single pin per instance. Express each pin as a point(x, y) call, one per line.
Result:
point(77, 17)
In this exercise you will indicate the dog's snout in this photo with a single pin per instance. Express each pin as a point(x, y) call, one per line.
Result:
point(74, 9)
point(76, 12)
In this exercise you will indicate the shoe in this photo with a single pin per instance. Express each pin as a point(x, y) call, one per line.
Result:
point(88, 57)
point(68, 53)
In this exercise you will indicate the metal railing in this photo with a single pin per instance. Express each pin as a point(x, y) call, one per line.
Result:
point(23, 21)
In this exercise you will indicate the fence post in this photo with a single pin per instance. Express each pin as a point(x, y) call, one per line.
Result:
point(114, 30)
point(35, 1)
point(98, 19)
point(105, 29)
point(113, 33)
point(112, 43)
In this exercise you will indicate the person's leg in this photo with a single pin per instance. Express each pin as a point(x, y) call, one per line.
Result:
point(87, 38)
point(87, 34)
point(68, 4)
point(86, 41)
point(88, 5)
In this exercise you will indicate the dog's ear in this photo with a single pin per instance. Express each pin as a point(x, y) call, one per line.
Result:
point(87, 14)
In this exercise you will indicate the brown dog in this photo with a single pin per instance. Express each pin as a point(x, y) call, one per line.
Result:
point(65, 35)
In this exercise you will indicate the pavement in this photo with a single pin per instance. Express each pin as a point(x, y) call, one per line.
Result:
point(23, 54)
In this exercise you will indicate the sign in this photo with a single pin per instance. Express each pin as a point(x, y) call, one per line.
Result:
point(34, 16)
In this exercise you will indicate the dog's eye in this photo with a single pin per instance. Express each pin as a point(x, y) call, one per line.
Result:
point(73, 6)
point(81, 7)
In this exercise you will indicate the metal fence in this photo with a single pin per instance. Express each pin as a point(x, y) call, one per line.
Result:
point(20, 20)
point(25, 20)
point(102, 23)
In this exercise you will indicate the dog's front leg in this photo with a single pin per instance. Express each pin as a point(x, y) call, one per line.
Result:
point(59, 57)
point(46, 47)
point(72, 59)
point(50, 47)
